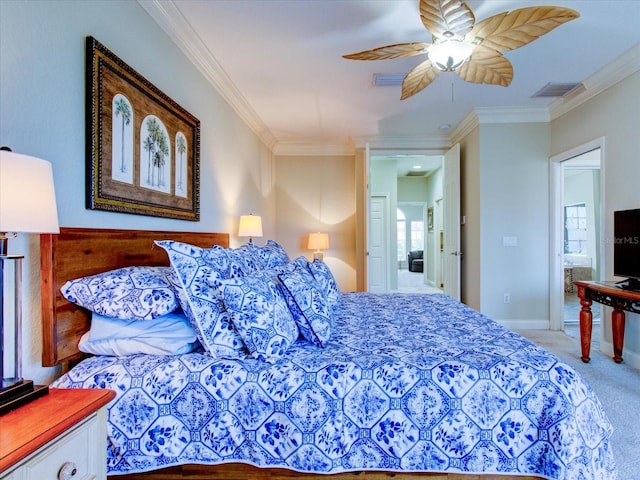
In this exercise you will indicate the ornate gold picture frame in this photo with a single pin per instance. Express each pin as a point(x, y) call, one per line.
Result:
point(143, 149)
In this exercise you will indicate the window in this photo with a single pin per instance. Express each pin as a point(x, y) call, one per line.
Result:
point(417, 235)
point(575, 228)
point(401, 236)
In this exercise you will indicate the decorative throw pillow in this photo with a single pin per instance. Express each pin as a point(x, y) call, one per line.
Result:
point(272, 254)
point(251, 255)
point(140, 293)
point(198, 276)
point(307, 303)
point(327, 282)
point(260, 314)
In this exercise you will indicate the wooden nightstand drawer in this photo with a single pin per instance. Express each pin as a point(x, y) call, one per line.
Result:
point(74, 452)
point(61, 436)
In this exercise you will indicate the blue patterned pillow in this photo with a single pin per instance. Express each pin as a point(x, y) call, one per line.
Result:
point(140, 293)
point(248, 256)
point(272, 254)
point(307, 303)
point(260, 314)
point(327, 282)
point(198, 276)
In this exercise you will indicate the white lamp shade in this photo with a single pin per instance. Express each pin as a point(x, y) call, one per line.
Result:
point(250, 226)
point(318, 241)
point(27, 195)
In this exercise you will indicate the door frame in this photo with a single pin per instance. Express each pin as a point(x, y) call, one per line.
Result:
point(556, 227)
point(367, 153)
point(438, 247)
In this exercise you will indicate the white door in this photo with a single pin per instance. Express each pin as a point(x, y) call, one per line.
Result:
point(451, 203)
point(378, 252)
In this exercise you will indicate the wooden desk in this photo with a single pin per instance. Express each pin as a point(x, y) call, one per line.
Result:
point(606, 293)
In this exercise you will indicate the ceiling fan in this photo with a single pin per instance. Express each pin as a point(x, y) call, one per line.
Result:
point(472, 50)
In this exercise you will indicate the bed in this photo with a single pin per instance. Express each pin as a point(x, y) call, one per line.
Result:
point(406, 386)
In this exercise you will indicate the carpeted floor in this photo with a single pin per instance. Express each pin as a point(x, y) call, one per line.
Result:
point(413, 282)
point(616, 385)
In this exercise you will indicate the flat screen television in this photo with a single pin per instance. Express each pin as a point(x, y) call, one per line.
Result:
point(626, 247)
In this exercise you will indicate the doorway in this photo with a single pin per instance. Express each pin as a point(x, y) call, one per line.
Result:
point(577, 198)
point(441, 175)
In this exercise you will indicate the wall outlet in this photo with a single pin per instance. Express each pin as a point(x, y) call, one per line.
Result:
point(506, 298)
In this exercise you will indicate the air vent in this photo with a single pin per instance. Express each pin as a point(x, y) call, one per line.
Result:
point(416, 173)
point(556, 89)
point(388, 79)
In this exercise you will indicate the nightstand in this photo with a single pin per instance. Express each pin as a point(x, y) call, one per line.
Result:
point(60, 436)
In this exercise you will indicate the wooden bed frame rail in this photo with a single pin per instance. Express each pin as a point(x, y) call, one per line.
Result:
point(238, 471)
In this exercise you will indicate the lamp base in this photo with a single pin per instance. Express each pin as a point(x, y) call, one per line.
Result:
point(19, 394)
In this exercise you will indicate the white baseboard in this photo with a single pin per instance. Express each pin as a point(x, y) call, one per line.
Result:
point(525, 324)
point(628, 357)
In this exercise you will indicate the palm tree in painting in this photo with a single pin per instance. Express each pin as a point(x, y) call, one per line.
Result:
point(149, 145)
point(157, 146)
point(122, 110)
point(181, 147)
point(163, 152)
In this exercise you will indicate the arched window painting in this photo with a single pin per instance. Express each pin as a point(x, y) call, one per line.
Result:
point(181, 165)
point(122, 139)
point(155, 155)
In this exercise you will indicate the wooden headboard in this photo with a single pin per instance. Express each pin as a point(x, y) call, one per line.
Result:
point(77, 252)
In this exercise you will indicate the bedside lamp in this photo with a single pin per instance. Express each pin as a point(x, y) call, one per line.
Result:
point(250, 226)
point(27, 204)
point(318, 242)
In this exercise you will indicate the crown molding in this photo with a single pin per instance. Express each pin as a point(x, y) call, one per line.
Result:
point(498, 115)
point(425, 142)
point(418, 144)
point(310, 149)
point(625, 65)
point(464, 128)
point(171, 20)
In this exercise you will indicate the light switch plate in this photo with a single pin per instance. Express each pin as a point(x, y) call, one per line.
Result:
point(509, 241)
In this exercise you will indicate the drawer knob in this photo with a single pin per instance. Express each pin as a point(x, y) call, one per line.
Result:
point(67, 471)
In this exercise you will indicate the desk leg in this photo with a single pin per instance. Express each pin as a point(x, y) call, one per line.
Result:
point(617, 325)
point(586, 321)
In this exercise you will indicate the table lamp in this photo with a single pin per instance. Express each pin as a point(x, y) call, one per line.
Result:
point(250, 226)
point(28, 205)
point(318, 242)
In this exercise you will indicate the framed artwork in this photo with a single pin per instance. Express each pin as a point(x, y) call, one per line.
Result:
point(143, 149)
point(430, 219)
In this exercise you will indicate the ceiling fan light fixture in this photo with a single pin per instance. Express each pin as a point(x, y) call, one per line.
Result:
point(449, 55)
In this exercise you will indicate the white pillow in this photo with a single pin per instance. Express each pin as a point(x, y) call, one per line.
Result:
point(166, 335)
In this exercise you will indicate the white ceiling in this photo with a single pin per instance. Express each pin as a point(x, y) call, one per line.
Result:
point(279, 64)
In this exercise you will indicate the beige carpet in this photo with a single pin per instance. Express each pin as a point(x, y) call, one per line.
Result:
point(616, 385)
point(413, 282)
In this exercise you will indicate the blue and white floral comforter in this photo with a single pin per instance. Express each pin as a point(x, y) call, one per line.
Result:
point(407, 383)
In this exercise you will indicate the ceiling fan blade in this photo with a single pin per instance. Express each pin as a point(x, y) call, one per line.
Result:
point(445, 17)
point(486, 66)
point(418, 78)
point(510, 30)
point(391, 51)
